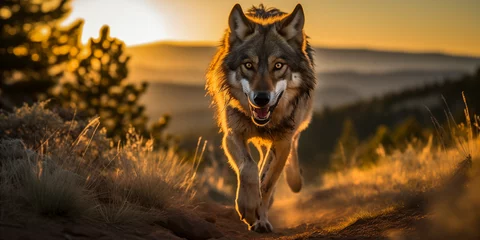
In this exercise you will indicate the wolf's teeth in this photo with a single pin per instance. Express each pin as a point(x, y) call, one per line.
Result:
point(255, 114)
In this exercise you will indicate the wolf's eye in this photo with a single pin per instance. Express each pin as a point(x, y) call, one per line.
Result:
point(278, 65)
point(248, 65)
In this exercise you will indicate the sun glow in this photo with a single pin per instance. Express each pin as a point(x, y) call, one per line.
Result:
point(134, 22)
point(418, 26)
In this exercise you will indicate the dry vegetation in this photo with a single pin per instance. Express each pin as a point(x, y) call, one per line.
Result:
point(436, 182)
point(58, 167)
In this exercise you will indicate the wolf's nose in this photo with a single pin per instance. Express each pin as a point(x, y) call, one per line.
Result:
point(262, 99)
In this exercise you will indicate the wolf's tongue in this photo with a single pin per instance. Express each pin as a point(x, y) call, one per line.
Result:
point(261, 112)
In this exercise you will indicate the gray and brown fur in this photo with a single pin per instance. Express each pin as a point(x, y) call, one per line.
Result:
point(263, 50)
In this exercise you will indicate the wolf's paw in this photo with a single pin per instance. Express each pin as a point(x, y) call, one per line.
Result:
point(248, 202)
point(294, 177)
point(262, 226)
point(248, 195)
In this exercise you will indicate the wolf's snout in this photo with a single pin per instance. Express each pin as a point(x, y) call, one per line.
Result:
point(261, 99)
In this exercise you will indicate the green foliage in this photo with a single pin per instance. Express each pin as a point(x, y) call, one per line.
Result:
point(100, 86)
point(345, 153)
point(33, 49)
point(410, 129)
point(350, 152)
point(369, 154)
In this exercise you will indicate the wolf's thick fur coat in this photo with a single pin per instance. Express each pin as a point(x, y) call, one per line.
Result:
point(263, 51)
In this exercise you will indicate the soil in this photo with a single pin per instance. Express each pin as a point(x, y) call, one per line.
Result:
point(209, 221)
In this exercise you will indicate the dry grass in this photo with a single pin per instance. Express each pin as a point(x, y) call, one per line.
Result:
point(69, 168)
point(355, 217)
point(400, 179)
point(417, 169)
point(456, 208)
point(38, 182)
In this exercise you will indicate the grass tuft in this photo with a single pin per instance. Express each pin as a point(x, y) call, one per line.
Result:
point(66, 167)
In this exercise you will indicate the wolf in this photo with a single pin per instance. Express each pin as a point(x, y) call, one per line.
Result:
point(261, 82)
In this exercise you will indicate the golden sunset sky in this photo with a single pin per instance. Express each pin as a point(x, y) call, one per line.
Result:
point(410, 25)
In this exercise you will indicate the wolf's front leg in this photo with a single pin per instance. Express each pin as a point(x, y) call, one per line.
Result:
point(270, 173)
point(248, 198)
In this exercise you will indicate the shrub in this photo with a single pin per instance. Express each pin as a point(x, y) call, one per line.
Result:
point(70, 168)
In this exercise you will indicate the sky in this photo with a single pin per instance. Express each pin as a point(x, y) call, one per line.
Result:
point(410, 25)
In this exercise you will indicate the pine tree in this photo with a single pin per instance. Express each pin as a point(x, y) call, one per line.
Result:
point(33, 49)
point(100, 86)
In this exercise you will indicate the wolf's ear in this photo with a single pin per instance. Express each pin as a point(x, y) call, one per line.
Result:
point(292, 25)
point(240, 26)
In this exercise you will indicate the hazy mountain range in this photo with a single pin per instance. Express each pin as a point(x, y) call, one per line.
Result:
point(176, 76)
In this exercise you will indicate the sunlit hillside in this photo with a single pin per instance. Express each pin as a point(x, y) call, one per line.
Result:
point(395, 194)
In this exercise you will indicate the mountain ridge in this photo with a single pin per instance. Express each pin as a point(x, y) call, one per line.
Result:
point(208, 45)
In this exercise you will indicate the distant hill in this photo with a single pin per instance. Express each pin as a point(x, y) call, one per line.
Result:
point(372, 84)
point(186, 104)
point(176, 75)
point(170, 63)
point(162, 62)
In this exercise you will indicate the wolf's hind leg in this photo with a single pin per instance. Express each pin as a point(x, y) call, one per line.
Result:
point(270, 173)
point(248, 197)
point(293, 172)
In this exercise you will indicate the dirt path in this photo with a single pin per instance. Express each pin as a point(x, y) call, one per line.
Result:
point(327, 215)
point(392, 224)
point(209, 221)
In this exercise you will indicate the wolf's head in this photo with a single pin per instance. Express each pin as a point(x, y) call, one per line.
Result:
point(267, 55)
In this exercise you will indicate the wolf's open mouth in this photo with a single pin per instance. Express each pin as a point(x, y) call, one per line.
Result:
point(261, 116)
